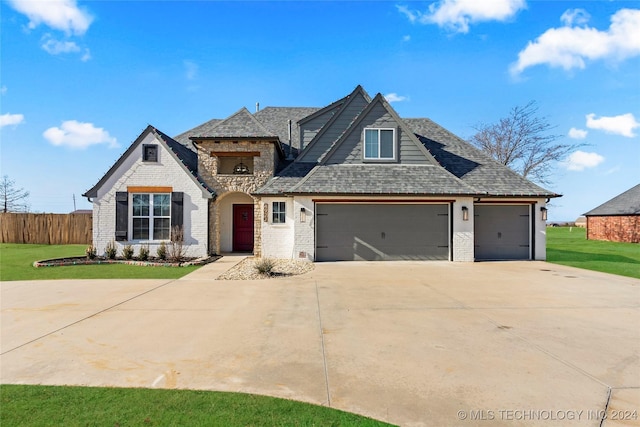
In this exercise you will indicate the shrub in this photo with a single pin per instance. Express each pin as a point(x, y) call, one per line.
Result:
point(162, 251)
point(127, 252)
point(143, 255)
point(111, 250)
point(177, 250)
point(265, 265)
point(91, 252)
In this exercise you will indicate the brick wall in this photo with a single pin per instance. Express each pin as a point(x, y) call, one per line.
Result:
point(166, 172)
point(614, 228)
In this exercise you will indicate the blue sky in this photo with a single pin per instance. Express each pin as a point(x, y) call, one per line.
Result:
point(81, 79)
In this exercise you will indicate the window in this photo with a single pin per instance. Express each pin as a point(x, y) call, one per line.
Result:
point(379, 144)
point(228, 165)
point(151, 216)
point(279, 212)
point(149, 153)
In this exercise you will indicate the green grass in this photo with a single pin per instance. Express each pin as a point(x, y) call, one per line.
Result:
point(16, 263)
point(570, 247)
point(32, 405)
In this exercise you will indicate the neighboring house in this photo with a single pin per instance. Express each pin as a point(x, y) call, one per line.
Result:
point(581, 221)
point(617, 220)
point(350, 181)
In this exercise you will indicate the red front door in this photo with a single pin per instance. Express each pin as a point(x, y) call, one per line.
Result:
point(243, 228)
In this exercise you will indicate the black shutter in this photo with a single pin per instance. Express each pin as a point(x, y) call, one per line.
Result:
point(122, 213)
point(177, 209)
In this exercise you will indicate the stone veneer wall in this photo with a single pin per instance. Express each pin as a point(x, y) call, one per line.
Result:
point(614, 228)
point(264, 167)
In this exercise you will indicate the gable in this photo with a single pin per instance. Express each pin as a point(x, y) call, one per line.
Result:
point(131, 166)
point(311, 126)
point(338, 123)
point(378, 115)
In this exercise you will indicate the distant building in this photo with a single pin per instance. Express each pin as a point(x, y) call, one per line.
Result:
point(82, 211)
point(617, 220)
point(581, 222)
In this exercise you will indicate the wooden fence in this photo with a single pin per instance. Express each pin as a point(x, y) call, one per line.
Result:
point(47, 229)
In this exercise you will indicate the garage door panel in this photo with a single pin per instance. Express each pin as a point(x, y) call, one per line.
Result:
point(502, 232)
point(381, 232)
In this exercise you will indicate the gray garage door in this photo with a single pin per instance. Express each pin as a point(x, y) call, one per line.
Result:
point(502, 232)
point(348, 232)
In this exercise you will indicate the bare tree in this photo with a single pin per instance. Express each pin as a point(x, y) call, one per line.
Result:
point(523, 141)
point(13, 199)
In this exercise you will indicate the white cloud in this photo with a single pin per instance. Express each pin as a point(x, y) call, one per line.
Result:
point(623, 124)
point(8, 119)
point(570, 46)
point(394, 97)
point(86, 56)
point(406, 38)
point(575, 16)
point(56, 47)
point(3, 90)
point(577, 133)
point(581, 160)
point(456, 15)
point(63, 15)
point(76, 134)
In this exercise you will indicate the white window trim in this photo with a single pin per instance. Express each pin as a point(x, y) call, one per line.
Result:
point(379, 159)
point(151, 217)
point(273, 213)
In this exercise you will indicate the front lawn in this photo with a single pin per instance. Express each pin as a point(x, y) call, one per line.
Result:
point(16, 263)
point(31, 405)
point(569, 246)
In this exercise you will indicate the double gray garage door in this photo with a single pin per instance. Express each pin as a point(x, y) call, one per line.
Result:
point(354, 232)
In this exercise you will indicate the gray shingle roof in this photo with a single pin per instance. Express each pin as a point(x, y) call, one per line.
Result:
point(627, 203)
point(241, 124)
point(276, 120)
point(203, 129)
point(287, 178)
point(471, 165)
point(380, 179)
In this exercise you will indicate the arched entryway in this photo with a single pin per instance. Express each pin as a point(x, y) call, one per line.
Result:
point(235, 222)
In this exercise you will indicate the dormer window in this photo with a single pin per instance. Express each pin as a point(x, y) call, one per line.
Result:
point(379, 144)
point(149, 153)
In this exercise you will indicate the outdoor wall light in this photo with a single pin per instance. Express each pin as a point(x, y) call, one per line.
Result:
point(303, 215)
point(465, 213)
point(543, 213)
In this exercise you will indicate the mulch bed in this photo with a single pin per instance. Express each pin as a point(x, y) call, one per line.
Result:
point(151, 262)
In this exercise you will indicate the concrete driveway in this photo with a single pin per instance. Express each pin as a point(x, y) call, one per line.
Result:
point(411, 343)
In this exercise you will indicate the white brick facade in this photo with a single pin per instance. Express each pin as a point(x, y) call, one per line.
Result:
point(278, 239)
point(463, 230)
point(165, 172)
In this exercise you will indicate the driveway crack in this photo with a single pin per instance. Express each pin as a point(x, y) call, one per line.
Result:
point(86, 318)
point(324, 355)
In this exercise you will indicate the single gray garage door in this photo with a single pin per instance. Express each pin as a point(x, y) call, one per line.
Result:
point(502, 232)
point(354, 232)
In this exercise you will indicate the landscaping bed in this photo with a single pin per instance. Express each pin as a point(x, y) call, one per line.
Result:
point(83, 260)
point(247, 269)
